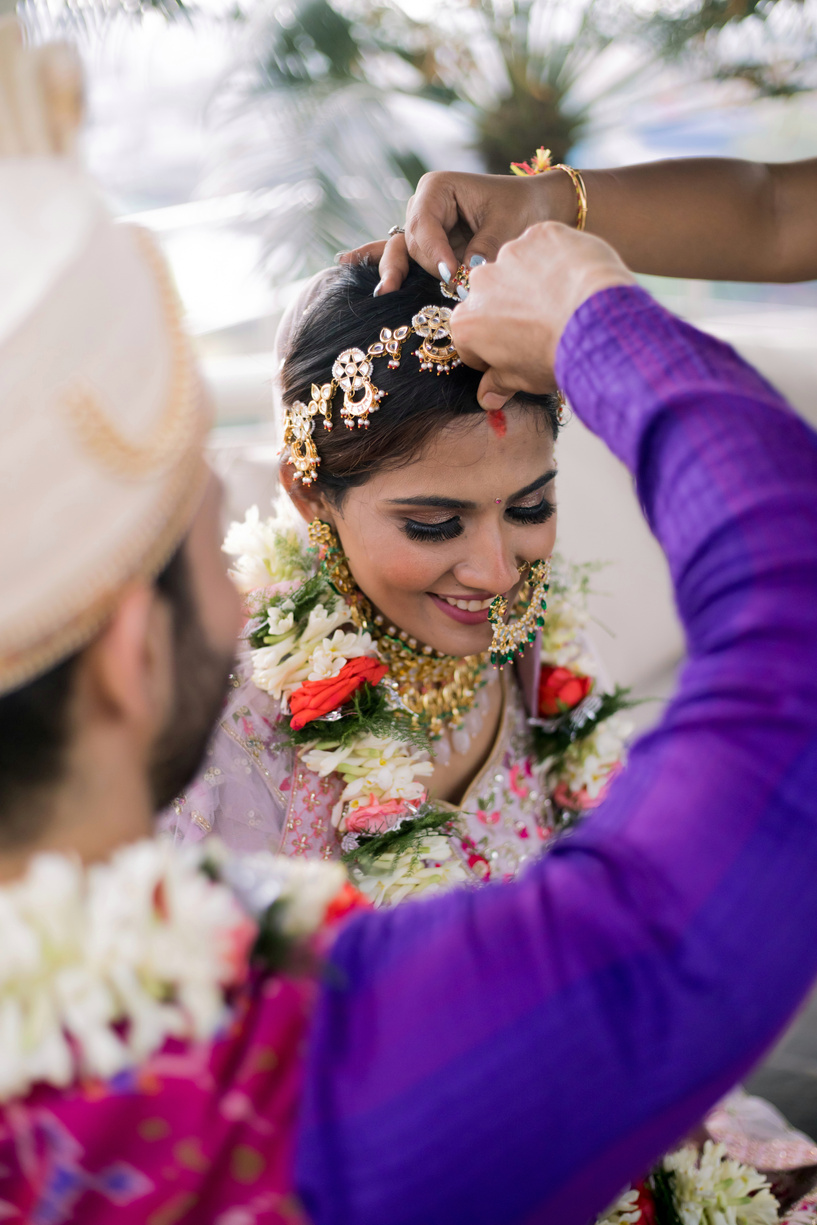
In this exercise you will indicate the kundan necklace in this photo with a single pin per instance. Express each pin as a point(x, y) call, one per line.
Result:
point(438, 690)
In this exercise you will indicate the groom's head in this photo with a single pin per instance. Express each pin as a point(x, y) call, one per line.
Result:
point(117, 619)
point(149, 684)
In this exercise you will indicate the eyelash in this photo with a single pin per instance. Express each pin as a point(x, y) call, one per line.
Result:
point(540, 513)
point(433, 532)
point(451, 528)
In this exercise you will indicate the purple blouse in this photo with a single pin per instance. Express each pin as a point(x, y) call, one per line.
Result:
point(518, 1053)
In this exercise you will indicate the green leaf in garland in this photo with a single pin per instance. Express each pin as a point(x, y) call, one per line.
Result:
point(662, 1185)
point(364, 858)
point(299, 602)
point(568, 728)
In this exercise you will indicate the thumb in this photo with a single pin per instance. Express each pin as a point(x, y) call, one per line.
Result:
point(492, 393)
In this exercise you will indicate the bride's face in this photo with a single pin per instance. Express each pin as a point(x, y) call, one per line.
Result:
point(431, 544)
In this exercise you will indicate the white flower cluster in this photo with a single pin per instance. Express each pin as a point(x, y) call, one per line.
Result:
point(303, 887)
point(319, 649)
point(145, 939)
point(267, 552)
point(431, 867)
point(587, 764)
point(372, 765)
point(712, 1189)
point(625, 1210)
point(100, 965)
point(564, 642)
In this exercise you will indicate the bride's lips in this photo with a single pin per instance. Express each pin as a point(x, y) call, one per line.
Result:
point(465, 616)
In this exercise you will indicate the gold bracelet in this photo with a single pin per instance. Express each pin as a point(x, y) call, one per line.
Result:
point(581, 193)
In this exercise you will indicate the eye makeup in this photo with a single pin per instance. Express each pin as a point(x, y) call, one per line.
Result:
point(449, 529)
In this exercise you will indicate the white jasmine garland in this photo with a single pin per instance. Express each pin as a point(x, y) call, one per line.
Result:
point(282, 667)
point(372, 765)
point(712, 1189)
point(100, 965)
point(431, 867)
point(587, 764)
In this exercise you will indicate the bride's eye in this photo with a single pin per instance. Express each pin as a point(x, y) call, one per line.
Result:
point(540, 513)
point(433, 531)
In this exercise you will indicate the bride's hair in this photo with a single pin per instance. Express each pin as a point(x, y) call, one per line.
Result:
point(345, 315)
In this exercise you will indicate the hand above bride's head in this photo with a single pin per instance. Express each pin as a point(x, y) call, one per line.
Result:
point(518, 307)
point(456, 218)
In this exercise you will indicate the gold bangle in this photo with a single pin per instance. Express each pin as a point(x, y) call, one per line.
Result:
point(581, 194)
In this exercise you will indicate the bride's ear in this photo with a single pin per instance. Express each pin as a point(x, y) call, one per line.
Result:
point(309, 502)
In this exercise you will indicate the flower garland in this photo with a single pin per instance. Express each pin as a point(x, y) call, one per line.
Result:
point(101, 964)
point(698, 1187)
point(340, 711)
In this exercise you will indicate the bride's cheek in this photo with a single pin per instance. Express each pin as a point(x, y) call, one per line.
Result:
point(410, 569)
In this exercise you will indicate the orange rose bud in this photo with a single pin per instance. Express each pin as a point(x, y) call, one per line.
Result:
point(343, 903)
point(560, 690)
point(315, 699)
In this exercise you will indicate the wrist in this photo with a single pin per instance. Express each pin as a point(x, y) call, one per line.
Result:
point(555, 197)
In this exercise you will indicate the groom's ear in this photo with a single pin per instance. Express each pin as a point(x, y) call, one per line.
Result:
point(309, 502)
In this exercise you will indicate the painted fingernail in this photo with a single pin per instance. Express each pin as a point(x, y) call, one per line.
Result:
point(444, 271)
point(338, 257)
point(462, 293)
point(477, 261)
point(377, 289)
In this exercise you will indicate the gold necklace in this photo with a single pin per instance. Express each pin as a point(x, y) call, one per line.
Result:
point(439, 690)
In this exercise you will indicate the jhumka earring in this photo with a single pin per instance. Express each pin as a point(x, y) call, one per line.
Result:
point(324, 539)
point(510, 639)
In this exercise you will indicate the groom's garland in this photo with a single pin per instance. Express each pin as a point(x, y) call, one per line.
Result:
point(344, 720)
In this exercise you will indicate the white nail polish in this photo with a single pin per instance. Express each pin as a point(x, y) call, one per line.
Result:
point(477, 261)
point(462, 293)
point(444, 272)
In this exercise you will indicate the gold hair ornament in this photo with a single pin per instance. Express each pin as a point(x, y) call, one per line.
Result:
point(352, 374)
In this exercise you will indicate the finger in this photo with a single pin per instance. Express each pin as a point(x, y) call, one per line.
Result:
point(431, 215)
point(394, 265)
point(371, 251)
point(492, 392)
point(483, 248)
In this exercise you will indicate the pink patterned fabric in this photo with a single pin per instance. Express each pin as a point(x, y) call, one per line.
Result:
point(201, 1134)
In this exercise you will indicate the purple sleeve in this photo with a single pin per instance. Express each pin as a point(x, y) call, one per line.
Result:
point(518, 1053)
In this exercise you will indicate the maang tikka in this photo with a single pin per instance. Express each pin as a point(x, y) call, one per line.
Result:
point(352, 374)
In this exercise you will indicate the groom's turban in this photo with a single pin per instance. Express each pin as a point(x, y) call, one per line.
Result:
point(101, 414)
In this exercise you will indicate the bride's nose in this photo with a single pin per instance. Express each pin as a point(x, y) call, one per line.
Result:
point(491, 564)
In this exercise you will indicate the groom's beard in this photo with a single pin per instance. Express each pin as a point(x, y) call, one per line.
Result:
point(201, 679)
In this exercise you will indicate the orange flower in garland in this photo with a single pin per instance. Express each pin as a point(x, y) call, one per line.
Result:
point(317, 698)
point(560, 690)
